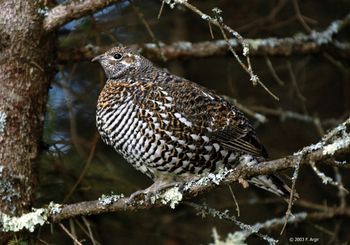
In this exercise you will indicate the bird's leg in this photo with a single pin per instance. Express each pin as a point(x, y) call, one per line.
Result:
point(150, 194)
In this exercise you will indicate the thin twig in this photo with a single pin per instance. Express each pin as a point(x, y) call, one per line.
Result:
point(72, 229)
point(70, 105)
point(85, 168)
point(326, 179)
point(218, 22)
point(254, 78)
point(204, 210)
point(211, 31)
point(338, 64)
point(341, 191)
point(292, 194)
point(87, 224)
point(295, 83)
point(312, 205)
point(300, 17)
point(262, 22)
point(69, 234)
point(286, 114)
point(235, 200)
point(160, 10)
point(273, 71)
point(318, 125)
point(148, 28)
point(259, 117)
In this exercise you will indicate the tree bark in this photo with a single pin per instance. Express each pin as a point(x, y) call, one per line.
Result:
point(26, 68)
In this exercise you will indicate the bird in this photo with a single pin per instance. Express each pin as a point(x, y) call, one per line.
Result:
point(172, 129)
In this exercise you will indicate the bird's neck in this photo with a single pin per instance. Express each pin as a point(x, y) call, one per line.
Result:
point(145, 74)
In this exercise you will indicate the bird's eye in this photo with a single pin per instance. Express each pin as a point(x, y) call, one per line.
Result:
point(117, 56)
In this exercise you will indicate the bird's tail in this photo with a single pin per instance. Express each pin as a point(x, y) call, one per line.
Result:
point(272, 183)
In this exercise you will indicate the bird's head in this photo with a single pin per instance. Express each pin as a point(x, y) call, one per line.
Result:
point(120, 61)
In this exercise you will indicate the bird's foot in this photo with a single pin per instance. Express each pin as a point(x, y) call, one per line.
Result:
point(151, 194)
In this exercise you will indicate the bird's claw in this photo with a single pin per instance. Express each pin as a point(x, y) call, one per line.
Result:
point(139, 196)
point(150, 194)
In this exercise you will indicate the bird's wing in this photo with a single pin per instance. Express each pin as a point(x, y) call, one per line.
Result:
point(212, 115)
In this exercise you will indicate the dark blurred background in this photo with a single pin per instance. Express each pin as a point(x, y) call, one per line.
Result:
point(316, 86)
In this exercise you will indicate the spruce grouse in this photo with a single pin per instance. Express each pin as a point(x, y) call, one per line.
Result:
point(170, 128)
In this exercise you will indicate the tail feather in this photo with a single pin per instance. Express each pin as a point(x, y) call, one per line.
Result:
point(272, 183)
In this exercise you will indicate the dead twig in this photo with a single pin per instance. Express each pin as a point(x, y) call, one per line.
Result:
point(70, 234)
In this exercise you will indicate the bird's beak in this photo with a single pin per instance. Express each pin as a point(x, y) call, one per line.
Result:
point(99, 57)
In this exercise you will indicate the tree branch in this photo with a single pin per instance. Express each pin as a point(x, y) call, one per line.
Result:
point(335, 143)
point(63, 13)
point(312, 43)
point(185, 50)
point(248, 230)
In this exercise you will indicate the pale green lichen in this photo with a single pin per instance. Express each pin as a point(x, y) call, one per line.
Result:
point(338, 144)
point(308, 149)
point(335, 140)
point(254, 79)
point(172, 196)
point(236, 238)
point(184, 45)
point(44, 11)
point(7, 191)
point(327, 35)
point(54, 208)
point(109, 199)
point(245, 50)
point(246, 230)
point(215, 178)
point(27, 221)
point(254, 43)
point(3, 118)
point(260, 117)
point(172, 3)
point(217, 12)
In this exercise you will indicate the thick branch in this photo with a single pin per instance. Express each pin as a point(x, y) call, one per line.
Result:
point(315, 42)
point(63, 13)
point(335, 143)
point(185, 50)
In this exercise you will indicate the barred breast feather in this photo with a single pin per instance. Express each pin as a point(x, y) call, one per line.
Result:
point(169, 127)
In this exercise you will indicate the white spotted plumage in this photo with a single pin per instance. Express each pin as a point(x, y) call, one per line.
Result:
point(168, 126)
